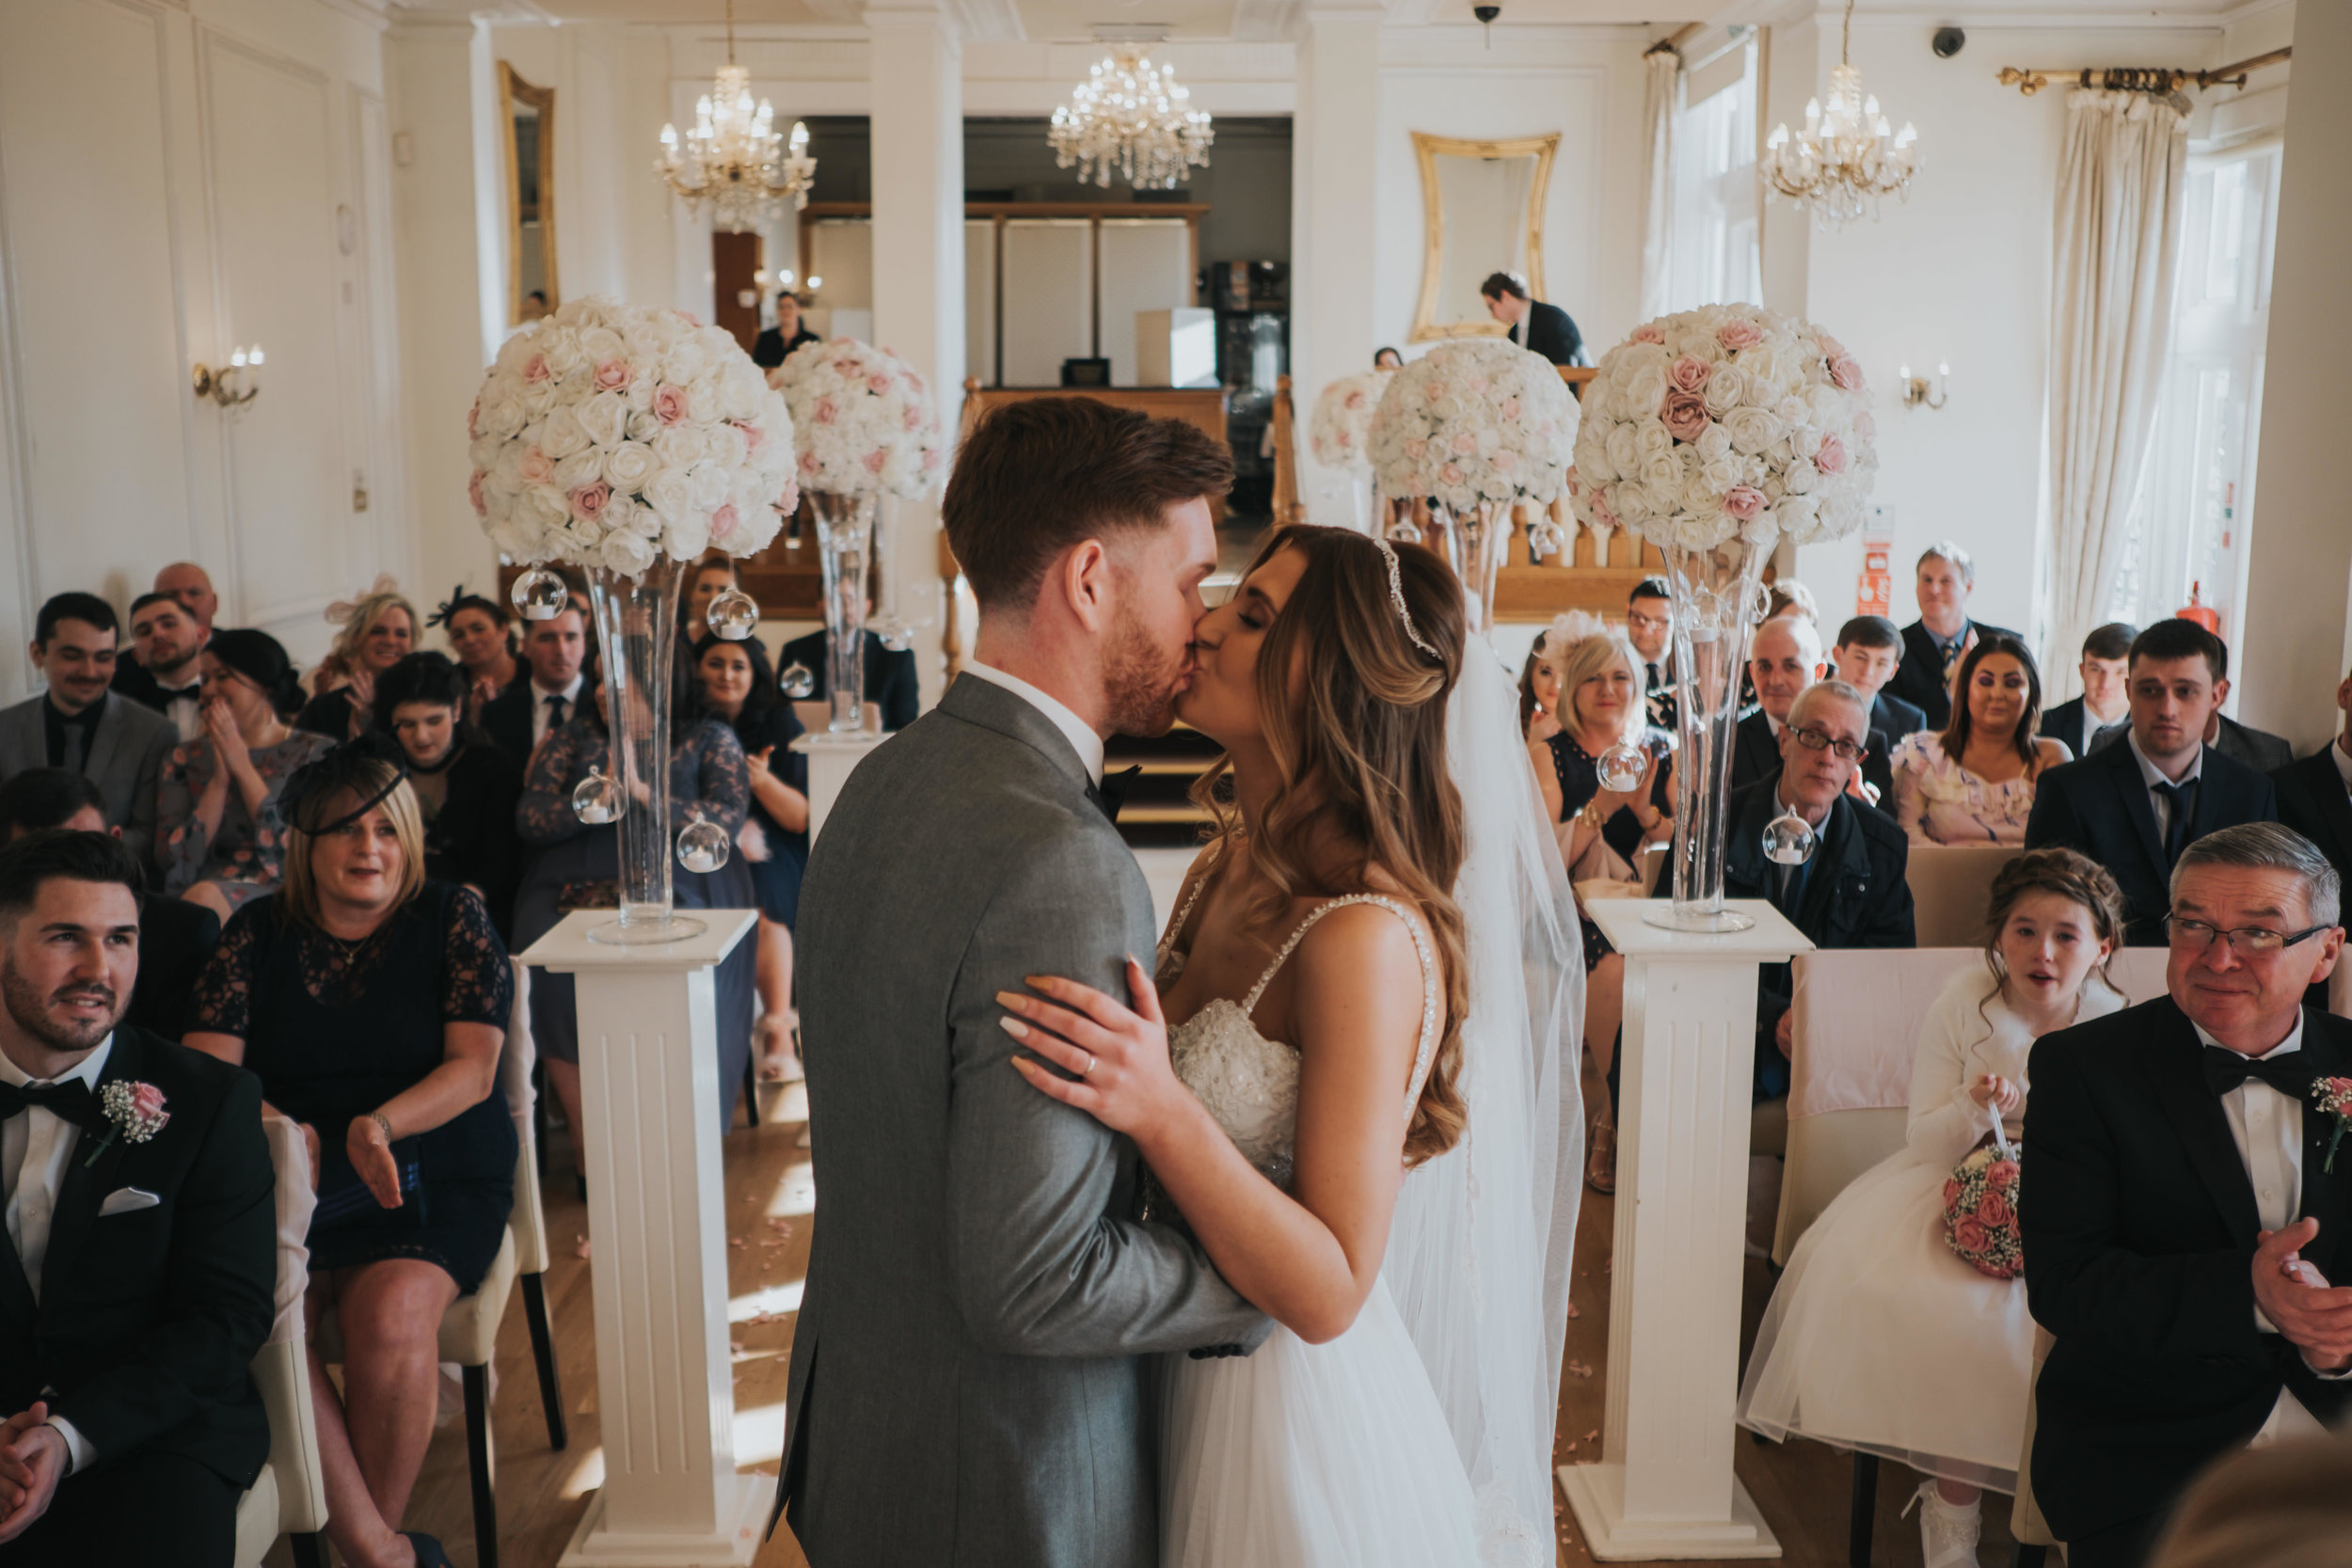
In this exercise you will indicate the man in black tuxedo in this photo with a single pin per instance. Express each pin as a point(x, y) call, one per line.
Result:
point(175, 936)
point(2106, 670)
point(1538, 327)
point(1932, 645)
point(773, 346)
point(2315, 794)
point(1870, 650)
point(519, 718)
point(891, 679)
point(169, 646)
point(1851, 892)
point(2134, 807)
point(138, 1278)
point(2180, 1184)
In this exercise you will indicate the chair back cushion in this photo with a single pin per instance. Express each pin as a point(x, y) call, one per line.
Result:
point(1825, 1152)
point(1950, 885)
point(1856, 1027)
point(289, 1155)
point(517, 1058)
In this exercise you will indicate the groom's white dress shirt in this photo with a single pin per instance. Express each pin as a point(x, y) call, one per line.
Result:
point(36, 1147)
point(1075, 730)
point(2267, 1127)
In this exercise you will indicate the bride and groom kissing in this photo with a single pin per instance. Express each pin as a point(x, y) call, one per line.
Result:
point(1101, 1278)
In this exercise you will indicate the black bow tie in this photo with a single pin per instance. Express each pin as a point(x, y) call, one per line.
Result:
point(2290, 1074)
point(1111, 793)
point(68, 1102)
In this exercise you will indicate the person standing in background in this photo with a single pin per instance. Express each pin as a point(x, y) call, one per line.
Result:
point(1535, 326)
point(1932, 645)
point(775, 346)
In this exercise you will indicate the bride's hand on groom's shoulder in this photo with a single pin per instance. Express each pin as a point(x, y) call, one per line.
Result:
point(1116, 1057)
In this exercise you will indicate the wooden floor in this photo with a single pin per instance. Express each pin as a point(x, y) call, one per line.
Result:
point(1803, 1488)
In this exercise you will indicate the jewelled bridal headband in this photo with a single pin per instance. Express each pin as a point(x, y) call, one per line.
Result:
point(1396, 597)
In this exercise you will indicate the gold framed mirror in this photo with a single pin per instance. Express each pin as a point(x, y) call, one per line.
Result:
point(1482, 207)
point(527, 115)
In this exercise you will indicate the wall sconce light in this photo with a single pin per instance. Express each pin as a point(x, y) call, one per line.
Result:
point(814, 282)
point(228, 386)
point(1916, 390)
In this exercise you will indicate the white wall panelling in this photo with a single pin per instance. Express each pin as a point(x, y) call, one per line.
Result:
point(1146, 265)
point(1048, 299)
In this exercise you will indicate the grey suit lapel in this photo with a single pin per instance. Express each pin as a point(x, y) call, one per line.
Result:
point(107, 738)
point(991, 706)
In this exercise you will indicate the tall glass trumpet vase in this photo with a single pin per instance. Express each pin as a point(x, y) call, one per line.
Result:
point(1473, 540)
point(1718, 600)
point(637, 624)
point(845, 540)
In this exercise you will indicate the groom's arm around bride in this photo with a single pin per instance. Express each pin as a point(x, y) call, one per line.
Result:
point(966, 1383)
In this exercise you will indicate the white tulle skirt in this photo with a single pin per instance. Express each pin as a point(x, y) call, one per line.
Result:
point(1878, 1338)
point(1312, 1456)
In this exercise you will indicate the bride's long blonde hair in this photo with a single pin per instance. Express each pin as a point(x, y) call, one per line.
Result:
point(1355, 715)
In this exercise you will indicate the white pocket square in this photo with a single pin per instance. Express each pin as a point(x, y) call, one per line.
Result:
point(126, 1200)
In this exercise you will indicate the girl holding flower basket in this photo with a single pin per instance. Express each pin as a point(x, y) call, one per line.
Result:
point(1900, 1327)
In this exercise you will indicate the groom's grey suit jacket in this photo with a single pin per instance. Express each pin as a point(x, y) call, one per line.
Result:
point(966, 1385)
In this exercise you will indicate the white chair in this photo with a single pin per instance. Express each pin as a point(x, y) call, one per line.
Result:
point(469, 1328)
point(1951, 886)
point(289, 1496)
point(1652, 867)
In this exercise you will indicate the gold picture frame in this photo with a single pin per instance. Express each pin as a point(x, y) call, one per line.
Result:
point(1427, 149)
point(536, 270)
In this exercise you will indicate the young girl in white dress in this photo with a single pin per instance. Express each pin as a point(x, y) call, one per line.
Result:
point(1879, 1337)
point(1299, 1055)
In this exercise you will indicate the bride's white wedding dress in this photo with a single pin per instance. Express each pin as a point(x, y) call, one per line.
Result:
point(1299, 1455)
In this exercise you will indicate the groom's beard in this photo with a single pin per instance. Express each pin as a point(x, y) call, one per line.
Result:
point(1140, 681)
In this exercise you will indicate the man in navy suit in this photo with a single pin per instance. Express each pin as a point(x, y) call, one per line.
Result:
point(2258, 750)
point(2106, 671)
point(519, 718)
point(2315, 794)
point(1932, 645)
point(2134, 807)
point(1870, 650)
point(2180, 1169)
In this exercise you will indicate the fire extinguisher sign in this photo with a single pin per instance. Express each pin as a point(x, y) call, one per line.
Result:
point(1874, 592)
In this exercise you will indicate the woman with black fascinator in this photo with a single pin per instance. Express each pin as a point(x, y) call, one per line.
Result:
point(218, 831)
point(482, 639)
point(466, 787)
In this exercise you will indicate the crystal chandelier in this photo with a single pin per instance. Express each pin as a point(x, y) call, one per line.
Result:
point(1130, 116)
point(733, 156)
point(1844, 160)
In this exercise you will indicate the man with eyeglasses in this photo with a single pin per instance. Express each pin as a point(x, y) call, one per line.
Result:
point(2134, 807)
point(1851, 892)
point(1784, 660)
point(2188, 1208)
point(1649, 625)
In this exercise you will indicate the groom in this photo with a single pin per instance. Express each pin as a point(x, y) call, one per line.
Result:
point(966, 1385)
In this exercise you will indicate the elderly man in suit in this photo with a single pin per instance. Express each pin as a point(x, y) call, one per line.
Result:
point(988, 1241)
point(1784, 660)
point(1851, 892)
point(2186, 1225)
point(1538, 327)
point(138, 1276)
point(2134, 807)
point(82, 725)
point(519, 718)
point(2105, 703)
point(1932, 645)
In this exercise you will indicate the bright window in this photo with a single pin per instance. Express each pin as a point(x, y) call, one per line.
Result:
point(1713, 255)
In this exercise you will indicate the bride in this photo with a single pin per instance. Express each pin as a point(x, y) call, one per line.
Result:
point(1328, 1047)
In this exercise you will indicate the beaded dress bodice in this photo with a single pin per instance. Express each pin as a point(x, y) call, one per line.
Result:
point(1249, 1083)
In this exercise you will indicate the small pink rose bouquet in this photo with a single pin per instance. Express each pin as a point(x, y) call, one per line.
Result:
point(137, 1112)
point(1980, 1211)
point(2334, 1096)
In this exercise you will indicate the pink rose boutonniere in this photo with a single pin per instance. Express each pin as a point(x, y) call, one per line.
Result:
point(2335, 1099)
point(137, 1112)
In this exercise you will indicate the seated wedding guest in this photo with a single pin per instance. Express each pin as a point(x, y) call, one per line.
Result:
point(1783, 658)
point(1878, 1337)
point(218, 834)
point(1538, 327)
point(175, 936)
point(578, 867)
point(378, 630)
point(740, 690)
point(1601, 832)
point(1851, 891)
point(521, 716)
point(1932, 645)
point(775, 344)
point(165, 675)
point(482, 640)
point(2104, 704)
point(189, 583)
point(2134, 807)
point(1649, 625)
point(131, 1428)
point(2286, 1505)
point(371, 1001)
point(890, 675)
point(1788, 596)
point(2182, 1228)
point(1539, 697)
point(1386, 360)
point(1974, 782)
point(82, 725)
point(2258, 750)
point(1869, 651)
point(2315, 794)
point(466, 787)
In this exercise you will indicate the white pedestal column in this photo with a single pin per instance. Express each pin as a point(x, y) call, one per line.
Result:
point(830, 760)
point(1666, 1489)
point(665, 1391)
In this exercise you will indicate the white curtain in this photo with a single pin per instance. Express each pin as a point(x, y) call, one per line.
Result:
point(2122, 179)
point(1665, 67)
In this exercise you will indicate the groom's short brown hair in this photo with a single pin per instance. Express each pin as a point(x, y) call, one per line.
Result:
point(1038, 476)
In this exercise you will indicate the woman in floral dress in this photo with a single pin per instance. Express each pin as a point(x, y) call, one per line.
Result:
point(1974, 783)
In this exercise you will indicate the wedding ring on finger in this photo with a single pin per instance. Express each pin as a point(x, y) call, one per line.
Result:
point(1089, 1067)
